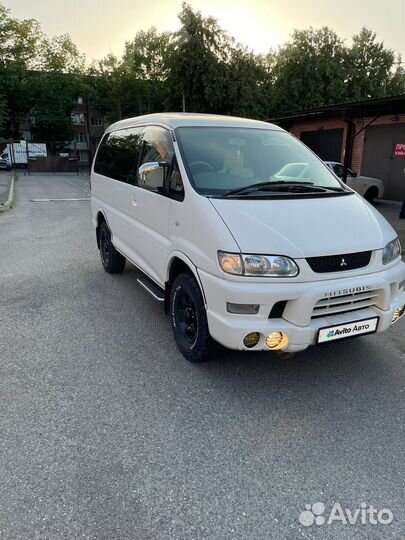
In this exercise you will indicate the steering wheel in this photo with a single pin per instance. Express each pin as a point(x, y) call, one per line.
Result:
point(200, 164)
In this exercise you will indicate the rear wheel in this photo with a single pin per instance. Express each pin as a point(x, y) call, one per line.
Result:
point(371, 194)
point(113, 262)
point(189, 319)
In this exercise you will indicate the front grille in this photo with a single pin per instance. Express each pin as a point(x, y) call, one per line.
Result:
point(339, 263)
point(345, 303)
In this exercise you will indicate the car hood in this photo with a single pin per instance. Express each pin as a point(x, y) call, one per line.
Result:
point(304, 227)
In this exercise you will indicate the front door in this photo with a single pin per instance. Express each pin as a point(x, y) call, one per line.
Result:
point(150, 203)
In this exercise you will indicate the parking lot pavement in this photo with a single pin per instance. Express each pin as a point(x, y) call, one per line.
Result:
point(106, 432)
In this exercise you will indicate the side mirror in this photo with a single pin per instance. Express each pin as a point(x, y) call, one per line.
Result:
point(151, 174)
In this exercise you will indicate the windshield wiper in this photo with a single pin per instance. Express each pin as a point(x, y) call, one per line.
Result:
point(288, 186)
point(258, 186)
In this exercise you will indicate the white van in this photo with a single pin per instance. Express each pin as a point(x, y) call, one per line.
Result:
point(240, 247)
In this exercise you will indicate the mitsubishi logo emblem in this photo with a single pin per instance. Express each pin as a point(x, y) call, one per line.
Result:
point(343, 263)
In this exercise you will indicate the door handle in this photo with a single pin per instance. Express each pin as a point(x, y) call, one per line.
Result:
point(133, 200)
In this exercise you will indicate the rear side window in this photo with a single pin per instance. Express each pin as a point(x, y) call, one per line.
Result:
point(118, 154)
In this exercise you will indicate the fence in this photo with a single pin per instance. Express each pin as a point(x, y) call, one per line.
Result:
point(47, 156)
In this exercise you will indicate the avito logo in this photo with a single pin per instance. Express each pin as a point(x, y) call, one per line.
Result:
point(333, 333)
point(315, 514)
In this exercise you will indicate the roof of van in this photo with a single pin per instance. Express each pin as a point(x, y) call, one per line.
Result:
point(174, 120)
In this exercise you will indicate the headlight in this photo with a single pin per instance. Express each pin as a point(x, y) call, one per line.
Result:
point(257, 265)
point(391, 251)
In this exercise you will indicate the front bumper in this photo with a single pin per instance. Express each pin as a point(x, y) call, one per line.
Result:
point(299, 321)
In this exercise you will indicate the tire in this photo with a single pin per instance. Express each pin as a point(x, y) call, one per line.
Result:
point(189, 319)
point(371, 194)
point(113, 262)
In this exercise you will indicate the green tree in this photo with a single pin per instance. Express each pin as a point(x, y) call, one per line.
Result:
point(396, 84)
point(3, 112)
point(135, 84)
point(101, 85)
point(197, 61)
point(246, 84)
point(39, 77)
point(52, 89)
point(144, 67)
point(19, 41)
point(145, 55)
point(60, 55)
point(369, 66)
point(309, 71)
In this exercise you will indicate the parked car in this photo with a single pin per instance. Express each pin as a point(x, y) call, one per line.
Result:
point(246, 237)
point(369, 188)
point(4, 164)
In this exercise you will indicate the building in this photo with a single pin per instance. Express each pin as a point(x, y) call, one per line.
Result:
point(88, 127)
point(367, 136)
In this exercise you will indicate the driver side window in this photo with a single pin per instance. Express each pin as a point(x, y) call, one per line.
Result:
point(157, 149)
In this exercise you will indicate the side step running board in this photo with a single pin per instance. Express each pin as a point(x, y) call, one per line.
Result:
point(153, 289)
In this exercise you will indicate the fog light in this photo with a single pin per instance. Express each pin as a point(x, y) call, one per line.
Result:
point(276, 341)
point(251, 340)
point(397, 314)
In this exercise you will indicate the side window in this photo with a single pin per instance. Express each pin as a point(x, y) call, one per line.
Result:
point(157, 148)
point(118, 154)
point(338, 169)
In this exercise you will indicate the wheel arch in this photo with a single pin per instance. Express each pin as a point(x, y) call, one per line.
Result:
point(372, 192)
point(178, 263)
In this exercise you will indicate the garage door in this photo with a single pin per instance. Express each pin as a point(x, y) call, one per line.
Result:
point(379, 162)
point(326, 143)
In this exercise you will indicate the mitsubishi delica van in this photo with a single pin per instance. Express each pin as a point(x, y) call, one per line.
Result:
point(244, 235)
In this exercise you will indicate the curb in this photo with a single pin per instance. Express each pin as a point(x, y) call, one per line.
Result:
point(10, 201)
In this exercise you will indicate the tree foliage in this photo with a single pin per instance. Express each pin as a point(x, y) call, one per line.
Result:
point(369, 66)
point(310, 70)
point(40, 77)
point(197, 63)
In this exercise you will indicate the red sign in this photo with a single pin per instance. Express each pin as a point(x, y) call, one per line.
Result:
point(399, 150)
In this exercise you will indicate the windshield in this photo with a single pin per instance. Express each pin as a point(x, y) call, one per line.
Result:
point(224, 160)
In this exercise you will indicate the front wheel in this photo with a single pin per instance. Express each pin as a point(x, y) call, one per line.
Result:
point(189, 319)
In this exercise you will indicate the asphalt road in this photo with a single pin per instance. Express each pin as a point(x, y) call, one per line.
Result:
point(106, 432)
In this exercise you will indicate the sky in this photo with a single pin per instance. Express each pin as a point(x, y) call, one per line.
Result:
point(99, 27)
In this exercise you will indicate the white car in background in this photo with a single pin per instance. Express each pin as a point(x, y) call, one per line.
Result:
point(369, 188)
